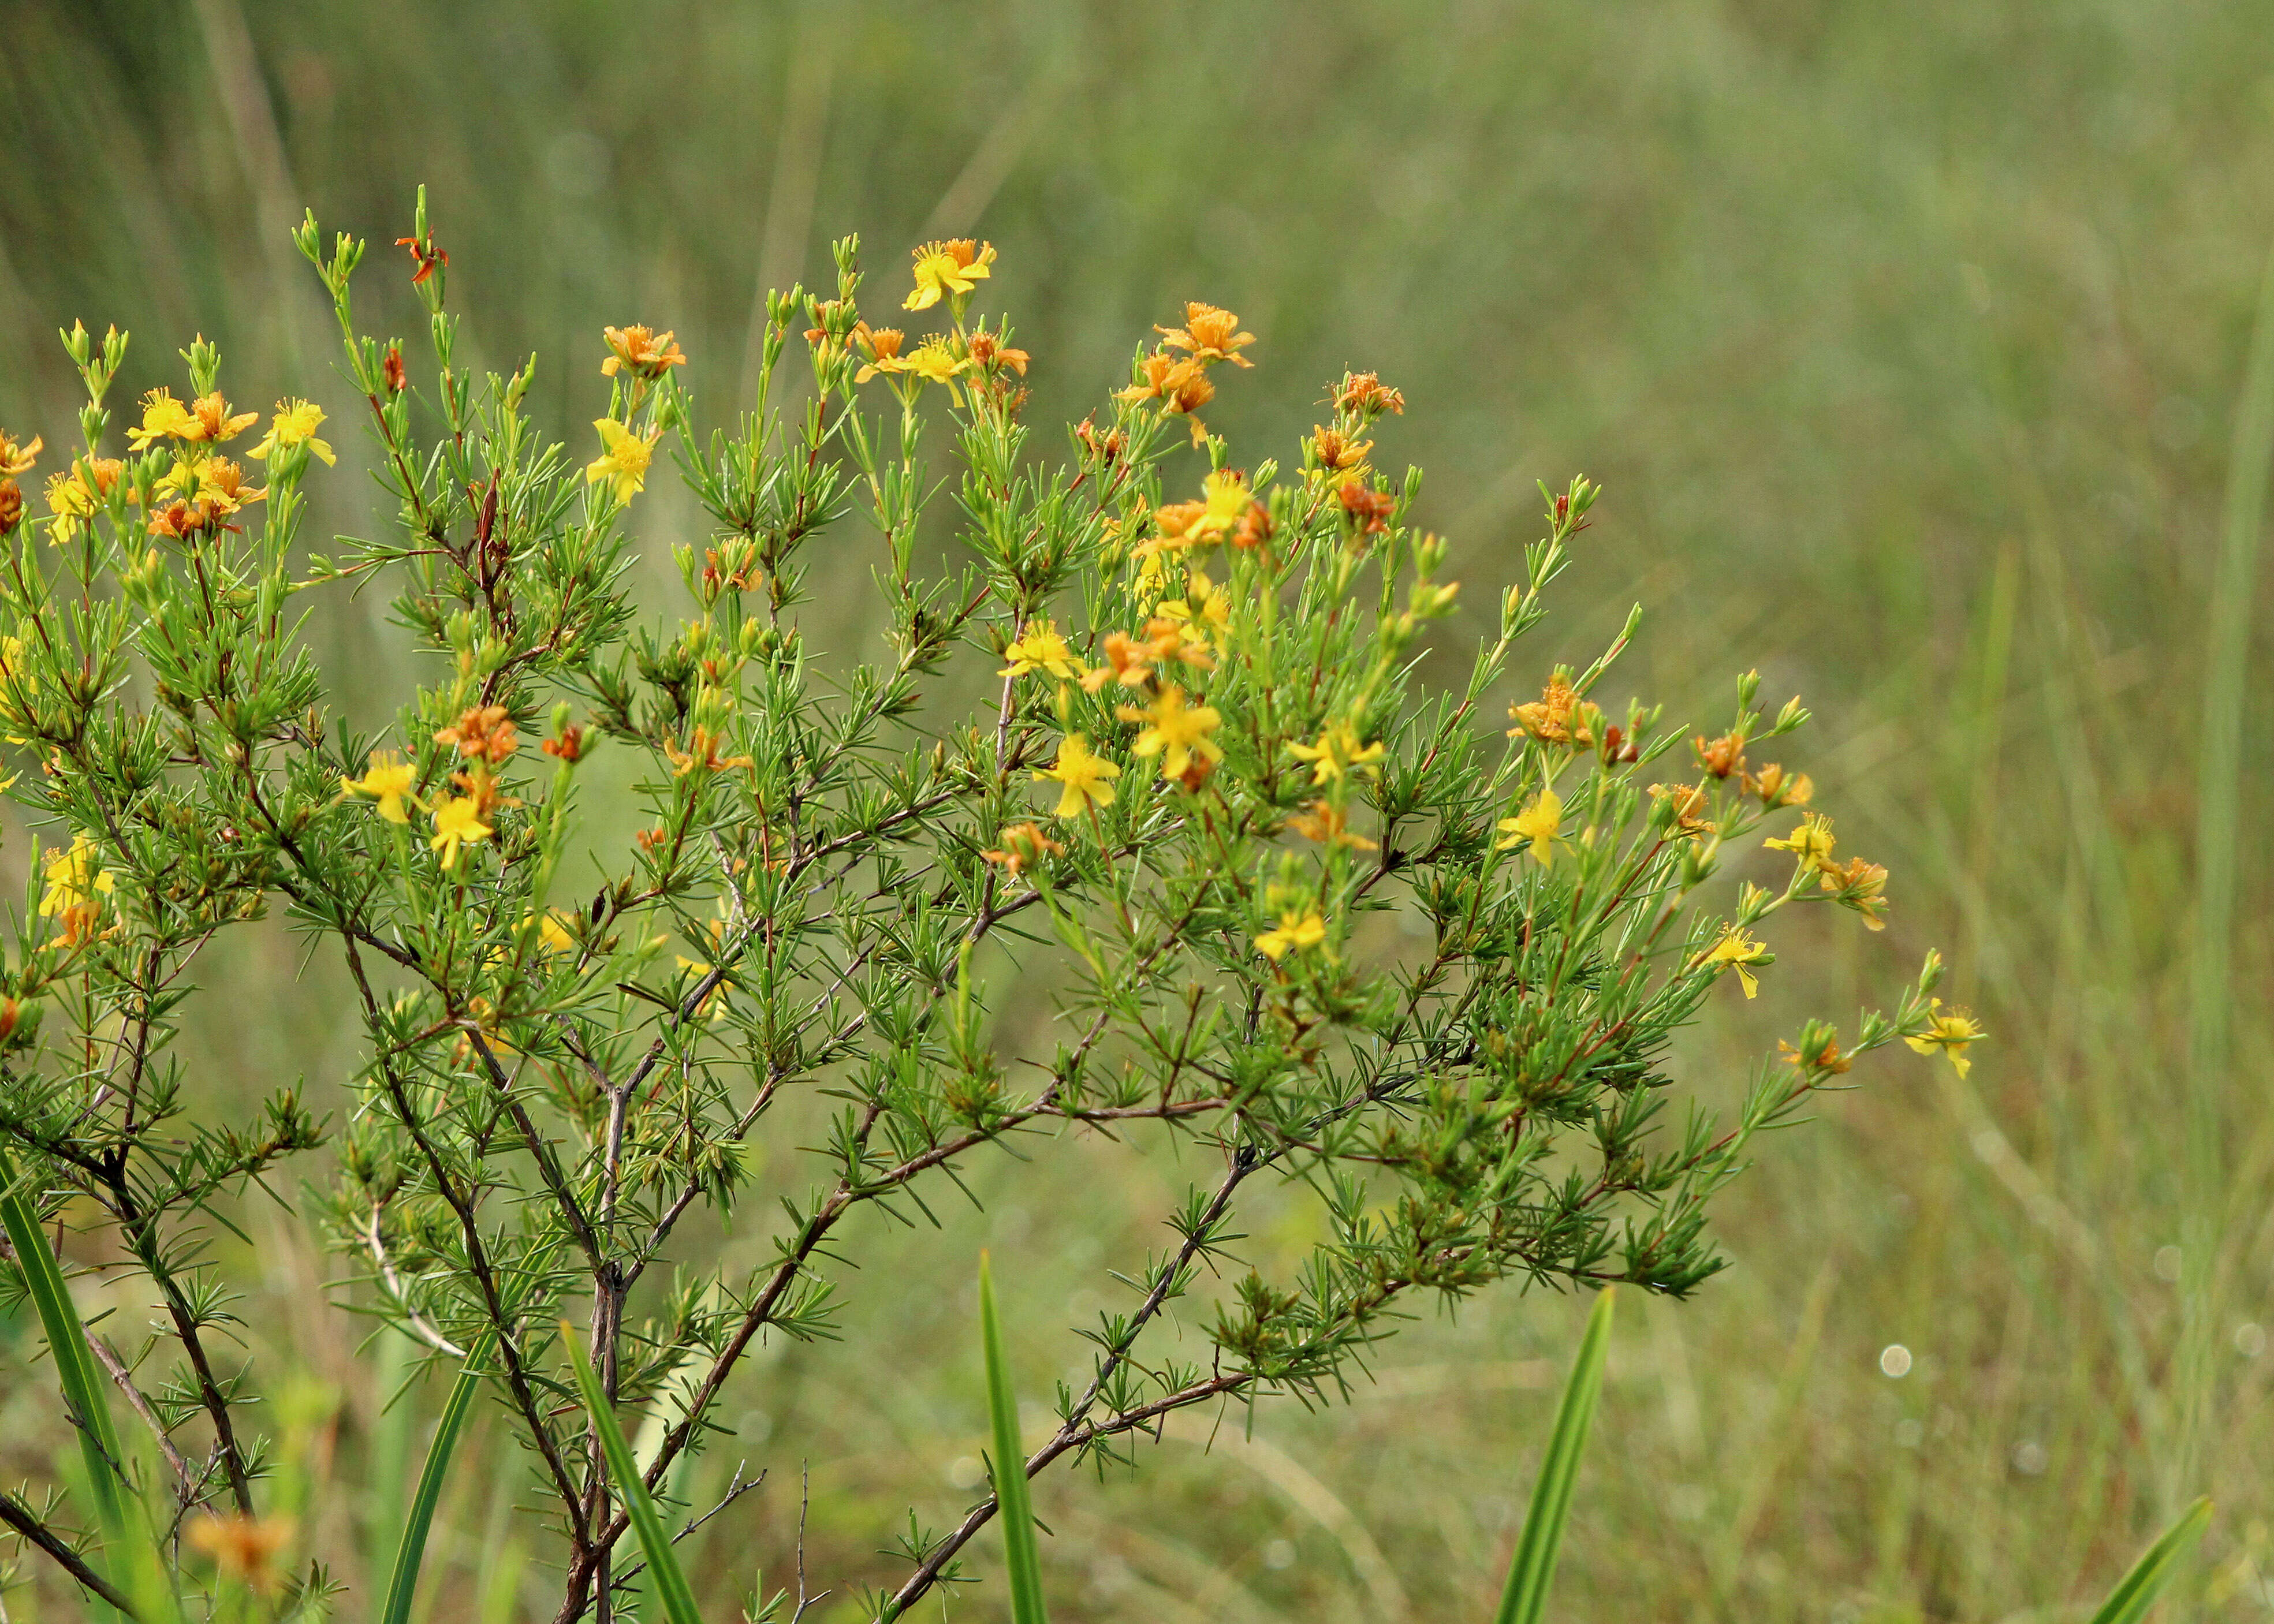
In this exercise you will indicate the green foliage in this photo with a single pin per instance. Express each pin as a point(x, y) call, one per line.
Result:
point(2137, 1590)
point(1296, 911)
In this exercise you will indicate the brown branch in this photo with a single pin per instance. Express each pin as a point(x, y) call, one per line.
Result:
point(19, 1516)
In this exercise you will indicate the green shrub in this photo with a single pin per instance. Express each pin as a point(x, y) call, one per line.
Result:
point(1145, 733)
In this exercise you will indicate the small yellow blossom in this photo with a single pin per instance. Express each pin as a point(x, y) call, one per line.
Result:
point(74, 498)
point(1737, 949)
point(1950, 1033)
point(553, 930)
point(935, 361)
point(882, 345)
point(946, 268)
point(1175, 731)
point(1024, 846)
point(1536, 826)
point(1336, 752)
point(296, 422)
point(1084, 773)
point(77, 883)
point(214, 421)
point(1555, 718)
point(163, 417)
point(624, 460)
point(1811, 843)
point(457, 823)
point(1296, 931)
point(390, 782)
point(1328, 824)
point(1040, 648)
point(1862, 886)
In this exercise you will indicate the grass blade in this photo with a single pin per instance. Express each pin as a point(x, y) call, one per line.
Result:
point(84, 1392)
point(2137, 1590)
point(1534, 1569)
point(668, 1579)
point(410, 1553)
point(1019, 1556)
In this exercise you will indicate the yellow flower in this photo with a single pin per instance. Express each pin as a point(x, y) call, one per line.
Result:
point(1810, 843)
point(1735, 948)
point(1175, 731)
point(1536, 824)
point(458, 822)
point(1084, 773)
point(1950, 1034)
point(1296, 930)
point(75, 880)
point(1040, 648)
point(1328, 824)
point(1205, 605)
point(388, 782)
point(213, 420)
point(163, 417)
point(624, 460)
point(296, 422)
point(883, 347)
point(1862, 886)
point(1336, 752)
point(73, 498)
point(553, 932)
point(1209, 335)
point(946, 268)
point(935, 361)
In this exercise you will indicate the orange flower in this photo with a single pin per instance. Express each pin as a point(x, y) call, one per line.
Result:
point(1024, 846)
point(645, 353)
point(214, 419)
point(483, 733)
point(1367, 396)
point(1210, 334)
point(1369, 509)
point(426, 255)
point(1337, 450)
point(1720, 756)
point(1327, 823)
point(1777, 788)
point(16, 457)
point(1127, 661)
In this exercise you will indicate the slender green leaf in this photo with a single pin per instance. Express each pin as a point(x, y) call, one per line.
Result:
point(1534, 1569)
point(411, 1553)
point(1019, 1555)
point(664, 1572)
point(84, 1391)
point(2137, 1590)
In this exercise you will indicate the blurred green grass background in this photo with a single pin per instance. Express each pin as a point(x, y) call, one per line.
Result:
point(1907, 340)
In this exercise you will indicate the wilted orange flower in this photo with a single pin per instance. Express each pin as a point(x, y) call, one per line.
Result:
point(989, 349)
point(703, 752)
point(1827, 1058)
point(396, 382)
point(1024, 846)
point(1369, 509)
point(1210, 334)
point(12, 506)
point(1862, 886)
point(645, 354)
point(16, 457)
point(1719, 756)
point(1127, 661)
point(882, 345)
point(484, 733)
point(425, 253)
point(1689, 802)
point(1367, 396)
point(1255, 527)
